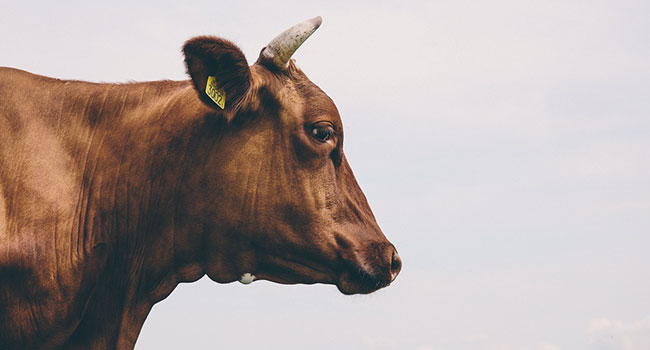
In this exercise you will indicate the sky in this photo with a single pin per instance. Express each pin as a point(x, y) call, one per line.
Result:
point(504, 147)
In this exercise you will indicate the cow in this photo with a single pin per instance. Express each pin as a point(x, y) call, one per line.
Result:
point(113, 194)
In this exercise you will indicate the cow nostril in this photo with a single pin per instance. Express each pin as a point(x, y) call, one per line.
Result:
point(395, 265)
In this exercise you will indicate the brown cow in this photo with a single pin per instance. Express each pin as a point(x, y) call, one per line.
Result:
point(112, 194)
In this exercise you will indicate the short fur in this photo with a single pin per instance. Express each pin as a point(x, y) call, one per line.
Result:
point(113, 194)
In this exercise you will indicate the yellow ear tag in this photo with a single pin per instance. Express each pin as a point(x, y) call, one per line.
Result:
point(217, 95)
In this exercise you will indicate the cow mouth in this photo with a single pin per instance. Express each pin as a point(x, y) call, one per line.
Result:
point(369, 269)
point(359, 281)
point(354, 280)
point(351, 275)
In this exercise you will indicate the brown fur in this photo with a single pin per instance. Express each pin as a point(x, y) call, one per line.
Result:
point(112, 194)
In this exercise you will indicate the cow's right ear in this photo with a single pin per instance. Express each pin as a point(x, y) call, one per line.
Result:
point(219, 71)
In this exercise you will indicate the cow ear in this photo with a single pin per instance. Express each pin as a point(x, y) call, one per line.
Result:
point(219, 71)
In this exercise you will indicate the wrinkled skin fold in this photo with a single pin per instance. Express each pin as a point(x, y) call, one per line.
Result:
point(112, 194)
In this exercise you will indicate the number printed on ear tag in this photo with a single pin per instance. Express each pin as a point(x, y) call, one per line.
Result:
point(217, 95)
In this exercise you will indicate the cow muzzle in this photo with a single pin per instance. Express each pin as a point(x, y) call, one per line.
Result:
point(370, 269)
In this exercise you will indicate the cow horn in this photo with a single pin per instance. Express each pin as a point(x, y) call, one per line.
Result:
point(278, 52)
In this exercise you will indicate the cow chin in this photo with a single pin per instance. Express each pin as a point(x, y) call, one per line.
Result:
point(353, 270)
point(285, 271)
point(348, 283)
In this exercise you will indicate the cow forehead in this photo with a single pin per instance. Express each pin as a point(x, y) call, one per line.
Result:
point(317, 103)
point(293, 91)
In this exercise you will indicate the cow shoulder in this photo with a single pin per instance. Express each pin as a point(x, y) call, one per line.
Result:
point(45, 279)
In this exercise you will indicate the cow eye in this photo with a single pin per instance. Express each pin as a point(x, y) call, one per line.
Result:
point(322, 132)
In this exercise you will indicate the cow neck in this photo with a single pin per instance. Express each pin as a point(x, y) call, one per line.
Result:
point(133, 145)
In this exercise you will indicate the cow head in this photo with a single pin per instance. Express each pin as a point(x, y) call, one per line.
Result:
point(281, 200)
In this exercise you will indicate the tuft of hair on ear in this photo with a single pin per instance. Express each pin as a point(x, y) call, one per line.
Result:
point(207, 56)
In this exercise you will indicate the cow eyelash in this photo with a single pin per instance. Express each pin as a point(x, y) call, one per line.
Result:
point(323, 131)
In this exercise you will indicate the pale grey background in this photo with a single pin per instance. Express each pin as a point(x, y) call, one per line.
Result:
point(503, 145)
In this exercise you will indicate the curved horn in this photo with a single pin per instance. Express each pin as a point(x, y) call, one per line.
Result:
point(278, 52)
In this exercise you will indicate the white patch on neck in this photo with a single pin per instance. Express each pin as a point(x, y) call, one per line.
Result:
point(247, 278)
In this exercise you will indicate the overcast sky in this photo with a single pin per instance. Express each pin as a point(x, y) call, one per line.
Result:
point(503, 145)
